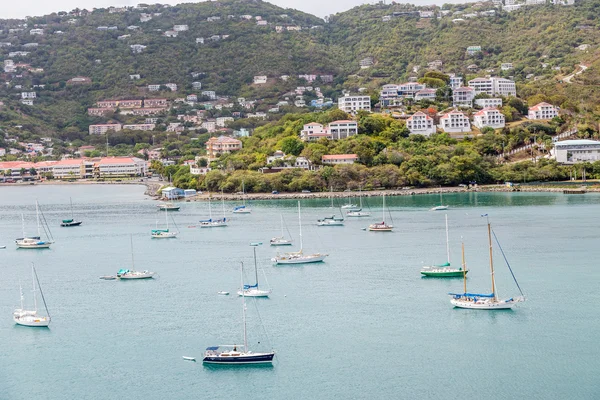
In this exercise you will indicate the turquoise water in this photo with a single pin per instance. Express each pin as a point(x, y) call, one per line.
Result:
point(364, 324)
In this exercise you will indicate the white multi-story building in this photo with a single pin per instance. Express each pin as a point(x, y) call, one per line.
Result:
point(334, 159)
point(101, 129)
point(210, 94)
point(493, 86)
point(314, 131)
point(455, 81)
point(342, 129)
point(492, 102)
point(180, 28)
point(575, 151)
point(221, 121)
point(425, 94)
point(222, 145)
point(408, 89)
point(542, 111)
point(353, 104)
point(140, 127)
point(463, 97)
point(455, 122)
point(28, 95)
point(153, 88)
point(420, 124)
point(506, 66)
point(491, 117)
point(260, 79)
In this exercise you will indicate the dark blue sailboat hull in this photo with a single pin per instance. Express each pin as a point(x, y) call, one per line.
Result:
point(245, 360)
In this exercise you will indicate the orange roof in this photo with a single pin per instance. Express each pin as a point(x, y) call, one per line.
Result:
point(540, 105)
point(343, 121)
point(339, 156)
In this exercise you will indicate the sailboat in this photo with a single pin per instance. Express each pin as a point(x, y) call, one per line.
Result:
point(168, 207)
point(298, 257)
point(163, 233)
point(484, 301)
point(350, 206)
point(441, 207)
point(230, 355)
point(253, 290)
point(359, 212)
point(132, 273)
point(281, 240)
point(381, 226)
point(444, 270)
point(243, 209)
point(214, 223)
point(35, 242)
point(330, 221)
point(24, 317)
point(71, 221)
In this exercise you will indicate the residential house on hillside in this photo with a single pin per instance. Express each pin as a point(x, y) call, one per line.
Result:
point(366, 62)
point(335, 159)
point(180, 28)
point(280, 161)
point(463, 97)
point(472, 50)
point(353, 104)
point(79, 80)
point(100, 111)
point(455, 122)
point(408, 89)
point(130, 103)
point(542, 111)
point(314, 131)
point(455, 81)
point(260, 79)
point(222, 121)
point(489, 117)
point(156, 103)
point(140, 127)
point(421, 124)
point(342, 129)
point(137, 48)
point(108, 104)
point(210, 94)
point(493, 86)
point(101, 129)
point(215, 146)
point(425, 94)
point(28, 95)
point(489, 102)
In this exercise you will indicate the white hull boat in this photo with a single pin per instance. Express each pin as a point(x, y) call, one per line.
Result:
point(35, 242)
point(330, 222)
point(356, 214)
point(24, 317)
point(163, 234)
point(439, 208)
point(128, 274)
point(293, 258)
point(213, 224)
point(32, 243)
point(280, 241)
point(484, 303)
point(254, 293)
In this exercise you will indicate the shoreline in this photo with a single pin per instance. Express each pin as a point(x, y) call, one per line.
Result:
point(153, 186)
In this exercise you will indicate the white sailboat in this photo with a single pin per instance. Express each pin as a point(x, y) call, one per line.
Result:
point(35, 242)
point(350, 206)
point(163, 233)
point(230, 355)
point(381, 226)
point(443, 270)
point(298, 257)
point(243, 209)
point(484, 301)
point(168, 207)
point(441, 207)
point(214, 223)
point(359, 212)
point(330, 221)
point(253, 290)
point(281, 240)
point(24, 317)
point(132, 273)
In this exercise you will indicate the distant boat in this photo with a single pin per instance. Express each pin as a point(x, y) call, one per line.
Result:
point(381, 226)
point(168, 207)
point(358, 212)
point(350, 206)
point(441, 207)
point(163, 233)
point(214, 223)
point(35, 242)
point(281, 240)
point(230, 355)
point(299, 257)
point(443, 270)
point(132, 273)
point(484, 301)
point(71, 221)
point(243, 209)
point(24, 317)
point(331, 221)
point(253, 290)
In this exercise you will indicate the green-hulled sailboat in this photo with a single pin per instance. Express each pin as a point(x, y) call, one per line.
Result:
point(444, 270)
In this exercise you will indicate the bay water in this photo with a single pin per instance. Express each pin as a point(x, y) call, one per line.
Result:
point(362, 325)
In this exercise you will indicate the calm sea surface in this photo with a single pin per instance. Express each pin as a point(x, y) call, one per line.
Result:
point(362, 325)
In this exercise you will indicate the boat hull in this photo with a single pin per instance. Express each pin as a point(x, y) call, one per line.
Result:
point(45, 245)
point(378, 229)
point(444, 274)
point(32, 321)
point(164, 236)
point(257, 358)
point(254, 293)
point(67, 224)
point(281, 243)
point(357, 214)
point(300, 260)
point(483, 305)
point(439, 208)
point(242, 211)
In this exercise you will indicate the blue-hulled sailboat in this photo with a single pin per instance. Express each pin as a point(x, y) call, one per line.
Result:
point(231, 354)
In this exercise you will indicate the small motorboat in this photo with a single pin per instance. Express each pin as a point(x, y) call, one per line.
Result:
point(189, 358)
point(168, 207)
point(2, 247)
point(223, 293)
point(108, 277)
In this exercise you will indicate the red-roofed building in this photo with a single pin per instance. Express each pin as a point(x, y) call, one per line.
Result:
point(222, 145)
point(420, 124)
point(335, 130)
point(455, 122)
point(542, 111)
point(335, 159)
point(490, 117)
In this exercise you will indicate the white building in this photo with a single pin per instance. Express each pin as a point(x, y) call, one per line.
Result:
point(455, 122)
point(260, 79)
point(140, 127)
point(506, 66)
point(463, 97)
point(101, 129)
point(342, 129)
point(493, 86)
point(491, 117)
point(542, 111)
point(180, 28)
point(36, 32)
point(353, 104)
point(222, 121)
point(420, 124)
point(425, 94)
point(334, 159)
point(28, 95)
point(575, 151)
point(455, 81)
point(172, 86)
point(314, 131)
point(210, 94)
point(137, 48)
point(484, 103)
point(153, 88)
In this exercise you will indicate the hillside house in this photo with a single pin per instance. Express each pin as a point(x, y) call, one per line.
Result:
point(425, 94)
point(98, 112)
point(463, 97)
point(156, 103)
point(353, 104)
point(490, 102)
point(455, 122)
point(489, 117)
point(215, 146)
point(420, 124)
point(542, 111)
point(101, 129)
point(260, 79)
point(493, 86)
point(180, 28)
point(335, 159)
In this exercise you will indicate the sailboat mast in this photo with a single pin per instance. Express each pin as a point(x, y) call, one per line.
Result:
point(132, 260)
point(21, 291)
point(223, 203)
point(281, 218)
point(255, 267)
point(383, 219)
point(300, 225)
point(360, 197)
point(491, 261)
point(464, 267)
point(33, 291)
point(243, 193)
point(167, 217)
point(37, 216)
point(244, 310)
point(23, 223)
point(41, 292)
point(71, 201)
point(447, 241)
point(209, 209)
